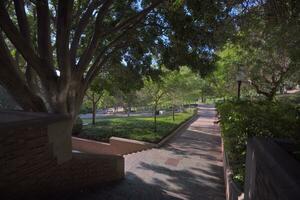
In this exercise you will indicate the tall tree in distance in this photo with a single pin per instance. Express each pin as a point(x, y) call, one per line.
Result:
point(99, 86)
point(181, 86)
point(152, 94)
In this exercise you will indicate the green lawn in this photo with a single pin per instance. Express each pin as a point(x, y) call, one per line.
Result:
point(137, 128)
point(290, 98)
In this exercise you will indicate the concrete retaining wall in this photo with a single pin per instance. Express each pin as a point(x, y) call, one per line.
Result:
point(116, 146)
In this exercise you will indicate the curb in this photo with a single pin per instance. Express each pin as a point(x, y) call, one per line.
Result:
point(176, 130)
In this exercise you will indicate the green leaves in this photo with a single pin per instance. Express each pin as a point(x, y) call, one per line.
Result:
point(244, 119)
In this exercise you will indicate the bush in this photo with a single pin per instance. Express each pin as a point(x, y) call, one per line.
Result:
point(243, 119)
point(77, 127)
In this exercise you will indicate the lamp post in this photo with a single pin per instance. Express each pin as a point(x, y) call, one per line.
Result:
point(239, 78)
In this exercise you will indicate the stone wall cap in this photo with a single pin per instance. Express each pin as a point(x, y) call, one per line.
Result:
point(19, 119)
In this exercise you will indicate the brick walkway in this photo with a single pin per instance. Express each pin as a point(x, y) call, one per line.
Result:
point(188, 167)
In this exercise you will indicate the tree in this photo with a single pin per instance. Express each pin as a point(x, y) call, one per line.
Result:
point(180, 86)
point(268, 70)
point(268, 39)
point(265, 66)
point(223, 81)
point(126, 81)
point(63, 45)
point(152, 94)
point(99, 86)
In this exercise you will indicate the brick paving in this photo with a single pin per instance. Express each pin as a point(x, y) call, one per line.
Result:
point(189, 166)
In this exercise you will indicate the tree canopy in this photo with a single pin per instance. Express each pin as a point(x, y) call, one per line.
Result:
point(54, 49)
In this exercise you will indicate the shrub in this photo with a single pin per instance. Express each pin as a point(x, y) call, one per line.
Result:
point(77, 128)
point(243, 119)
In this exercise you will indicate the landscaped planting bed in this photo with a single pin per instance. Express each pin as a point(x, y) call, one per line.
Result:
point(136, 128)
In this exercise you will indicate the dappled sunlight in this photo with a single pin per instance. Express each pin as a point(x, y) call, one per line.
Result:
point(188, 167)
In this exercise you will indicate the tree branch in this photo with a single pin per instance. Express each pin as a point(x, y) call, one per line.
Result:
point(64, 19)
point(43, 24)
point(23, 47)
point(98, 99)
point(136, 18)
point(83, 22)
point(260, 91)
point(9, 75)
point(89, 51)
point(22, 19)
point(96, 67)
point(127, 24)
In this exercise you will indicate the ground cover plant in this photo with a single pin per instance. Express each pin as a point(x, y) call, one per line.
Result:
point(137, 128)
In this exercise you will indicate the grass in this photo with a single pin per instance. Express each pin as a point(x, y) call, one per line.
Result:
point(290, 98)
point(137, 128)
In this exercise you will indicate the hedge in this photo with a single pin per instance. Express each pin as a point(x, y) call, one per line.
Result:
point(243, 119)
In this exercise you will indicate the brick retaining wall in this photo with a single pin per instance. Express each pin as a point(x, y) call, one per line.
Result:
point(35, 160)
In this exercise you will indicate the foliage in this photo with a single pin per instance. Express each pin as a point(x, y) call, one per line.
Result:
point(243, 119)
point(137, 128)
point(172, 89)
point(263, 66)
point(224, 77)
point(54, 49)
point(272, 25)
point(269, 45)
point(263, 48)
point(181, 86)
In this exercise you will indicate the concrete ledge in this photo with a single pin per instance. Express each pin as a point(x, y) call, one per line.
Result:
point(116, 146)
point(20, 119)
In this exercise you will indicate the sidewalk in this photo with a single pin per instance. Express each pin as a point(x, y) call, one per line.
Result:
point(187, 167)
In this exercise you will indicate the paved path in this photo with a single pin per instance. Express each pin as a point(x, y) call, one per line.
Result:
point(188, 167)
